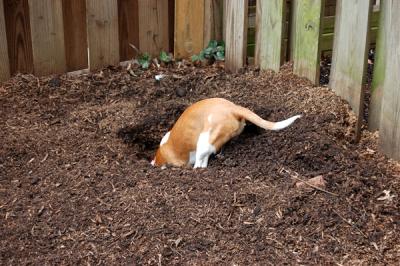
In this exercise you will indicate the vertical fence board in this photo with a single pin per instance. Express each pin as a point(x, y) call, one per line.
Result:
point(74, 12)
point(389, 131)
point(18, 36)
point(374, 112)
point(189, 27)
point(269, 31)
point(349, 58)
point(47, 31)
point(102, 28)
point(153, 26)
point(235, 34)
point(307, 33)
point(128, 23)
point(5, 64)
point(213, 16)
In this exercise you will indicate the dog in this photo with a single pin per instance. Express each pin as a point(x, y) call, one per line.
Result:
point(204, 128)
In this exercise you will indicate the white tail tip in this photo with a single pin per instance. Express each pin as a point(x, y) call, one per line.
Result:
point(285, 123)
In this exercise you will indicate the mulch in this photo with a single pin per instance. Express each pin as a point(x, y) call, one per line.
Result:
point(77, 187)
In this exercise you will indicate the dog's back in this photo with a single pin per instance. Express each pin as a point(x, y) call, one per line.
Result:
point(203, 128)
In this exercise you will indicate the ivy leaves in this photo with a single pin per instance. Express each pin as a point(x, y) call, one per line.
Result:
point(215, 51)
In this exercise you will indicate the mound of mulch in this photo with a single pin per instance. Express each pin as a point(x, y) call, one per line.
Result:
point(76, 185)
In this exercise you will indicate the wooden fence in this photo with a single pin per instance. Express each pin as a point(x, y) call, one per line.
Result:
point(56, 36)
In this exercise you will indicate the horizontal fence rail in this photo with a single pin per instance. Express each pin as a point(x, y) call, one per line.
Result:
point(57, 36)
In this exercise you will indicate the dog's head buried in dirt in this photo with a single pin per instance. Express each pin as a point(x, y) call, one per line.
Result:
point(203, 128)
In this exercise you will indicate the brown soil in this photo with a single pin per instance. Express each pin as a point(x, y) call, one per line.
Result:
point(76, 186)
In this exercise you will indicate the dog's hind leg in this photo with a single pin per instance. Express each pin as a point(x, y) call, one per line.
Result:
point(203, 150)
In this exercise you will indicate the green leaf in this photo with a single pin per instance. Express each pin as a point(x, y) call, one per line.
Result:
point(215, 50)
point(208, 51)
point(164, 57)
point(202, 55)
point(212, 44)
point(195, 58)
point(220, 55)
point(145, 65)
point(144, 60)
point(220, 49)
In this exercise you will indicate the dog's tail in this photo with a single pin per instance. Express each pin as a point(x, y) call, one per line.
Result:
point(248, 115)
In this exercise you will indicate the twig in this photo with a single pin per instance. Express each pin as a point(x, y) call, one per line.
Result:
point(135, 48)
point(45, 158)
point(352, 225)
point(311, 185)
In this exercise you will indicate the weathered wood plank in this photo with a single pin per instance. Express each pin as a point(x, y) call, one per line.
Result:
point(269, 30)
point(102, 28)
point(153, 26)
point(389, 132)
point(213, 17)
point(76, 52)
point(128, 22)
point(307, 36)
point(189, 27)
point(374, 112)
point(5, 63)
point(235, 34)
point(47, 30)
point(18, 36)
point(349, 59)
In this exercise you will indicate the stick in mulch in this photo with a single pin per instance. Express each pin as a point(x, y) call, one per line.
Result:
point(349, 223)
point(307, 183)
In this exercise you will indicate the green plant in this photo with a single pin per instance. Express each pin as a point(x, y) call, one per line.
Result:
point(144, 60)
point(214, 51)
point(164, 57)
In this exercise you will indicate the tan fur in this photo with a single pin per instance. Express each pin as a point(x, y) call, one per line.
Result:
point(221, 117)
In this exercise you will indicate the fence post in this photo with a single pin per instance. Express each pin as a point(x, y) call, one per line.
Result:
point(389, 130)
point(5, 64)
point(47, 33)
point(307, 35)
point(235, 34)
point(349, 58)
point(102, 28)
point(76, 52)
point(189, 27)
point(269, 34)
point(153, 26)
point(374, 112)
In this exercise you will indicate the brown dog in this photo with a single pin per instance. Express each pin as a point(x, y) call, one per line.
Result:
point(203, 128)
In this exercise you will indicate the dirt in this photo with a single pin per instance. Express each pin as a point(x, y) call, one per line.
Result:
point(76, 185)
